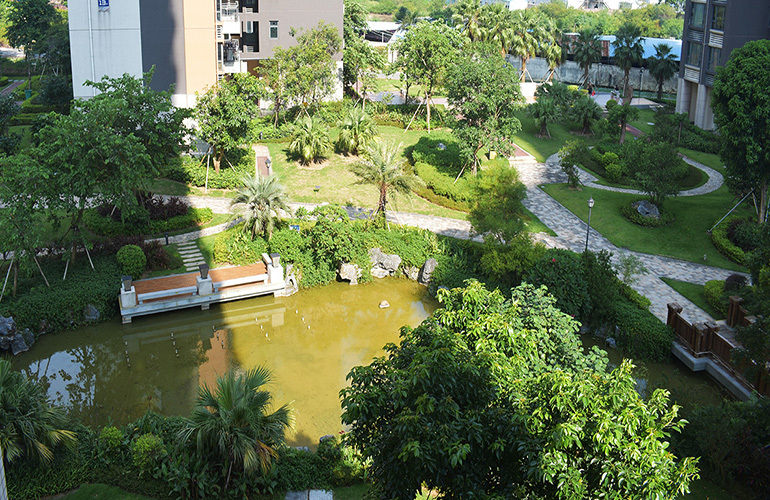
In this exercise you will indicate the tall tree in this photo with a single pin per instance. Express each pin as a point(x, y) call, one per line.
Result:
point(29, 23)
point(741, 104)
point(483, 92)
point(663, 65)
point(587, 49)
point(233, 426)
point(618, 117)
point(353, 29)
point(258, 202)
point(498, 26)
point(497, 212)
point(628, 51)
point(467, 19)
point(431, 48)
point(530, 31)
point(544, 110)
point(585, 111)
point(384, 167)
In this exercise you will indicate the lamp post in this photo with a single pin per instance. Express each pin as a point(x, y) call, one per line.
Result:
point(269, 164)
point(641, 77)
point(588, 229)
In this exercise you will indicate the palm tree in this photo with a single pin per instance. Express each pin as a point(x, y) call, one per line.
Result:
point(467, 19)
point(587, 51)
point(586, 112)
point(29, 425)
point(544, 110)
point(553, 55)
point(529, 32)
point(628, 50)
point(311, 139)
point(357, 129)
point(383, 166)
point(258, 202)
point(233, 424)
point(498, 25)
point(663, 65)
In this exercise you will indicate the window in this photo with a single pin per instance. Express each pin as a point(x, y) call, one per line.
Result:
point(248, 27)
point(718, 18)
point(715, 56)
point(273, 29)
point(698, 15)
point(693, 54)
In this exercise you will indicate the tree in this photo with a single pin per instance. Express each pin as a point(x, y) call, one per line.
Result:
point(543, 110)
point(258, 202)
point(431, 48)
point(628, 51)
point(353, 28)
point(483, 92)
point(741, 104)
point(232, 424)
point(29, 22)
point(649, 165)
point(553, 53)
point(310, 139)
point(530, 31)
point(497, 210)
point(618, 117)
point(383, 167)
point(663, 65)
point(471, 401)
point(587, 51)
point(498, 26)
point(467, 19)
point(586, 112)
point(357, 130)
point(571, 157)
point(8, 109)
point(363, 62)
point(29, 425)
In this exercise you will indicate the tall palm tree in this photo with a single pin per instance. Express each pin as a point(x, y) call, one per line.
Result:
point(586, 112)
point(310, 140)
point(258, 202)
point(529, 32)
point(29, 425)
point(628, 50)
point(383, 166)
point(467, 19)
point(553, 55)
point(233, 424)
point(357, 130)
point(498, 25)
point(544, 110)
point(663, 65)
point(587, 51)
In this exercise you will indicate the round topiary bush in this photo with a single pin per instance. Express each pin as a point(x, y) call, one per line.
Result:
point(146, 451)
point(132, 260)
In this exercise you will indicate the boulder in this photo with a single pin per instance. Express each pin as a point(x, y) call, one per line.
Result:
point(5, 342)
point(7, 326)
point(383, 264)
point(18, 344)
point(384, 304)
point(427, 271)
point(412, 273)
point(91, 313)
point(349, 272)
point(647, 209)
point(292, 281)
point(28, 336)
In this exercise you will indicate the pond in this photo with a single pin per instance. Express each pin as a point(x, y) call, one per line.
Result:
point(114, 373)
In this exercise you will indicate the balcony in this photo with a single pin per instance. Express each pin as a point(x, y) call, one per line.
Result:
point(231, 60)
point(228, 12)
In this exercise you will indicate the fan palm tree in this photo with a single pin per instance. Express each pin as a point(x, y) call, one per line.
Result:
point(310, 140)
point(29, 425)
point(587, 50)
point(498, 25)
point(529, 32)
point(628, 51)
point(233, 423)
point(586, 112)
point(663, 65)
point(544, 110)
point(383, 166)
point(467, 19)
point(258, 202)
point(357, 130)
point(553, 55)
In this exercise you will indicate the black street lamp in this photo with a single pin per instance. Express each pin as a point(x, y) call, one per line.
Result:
point(268, 164)
point(588, 229)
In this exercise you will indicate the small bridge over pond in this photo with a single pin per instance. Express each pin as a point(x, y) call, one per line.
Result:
point(180, 291)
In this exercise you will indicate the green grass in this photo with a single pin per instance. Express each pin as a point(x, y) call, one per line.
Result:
point(686, 238)
point(693, 293)
point(355, 492)
point(645, 116)
point(710, 160)
point(26, 135)
point(206, 246)
point(396, 86)
point(543, 148)
point(102, 492)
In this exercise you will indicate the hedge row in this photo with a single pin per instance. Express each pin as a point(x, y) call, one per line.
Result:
point(105, 226)
point(444, 185)
point(191, 171)
point(641, 333)
point(723, 244)
point(631, 214)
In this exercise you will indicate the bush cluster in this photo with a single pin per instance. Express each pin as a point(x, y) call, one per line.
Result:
point(714, 291)
point(192, 171)
point(721, 241)
point(107, 226)
point(630, 213)
point(444, 186)
point(238, 248)
point(641, 334)
point(132, 261)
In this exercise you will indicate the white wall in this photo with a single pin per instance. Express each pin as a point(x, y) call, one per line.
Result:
point(110, 44)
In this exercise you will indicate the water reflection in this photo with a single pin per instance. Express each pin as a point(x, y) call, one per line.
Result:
point(113, 372)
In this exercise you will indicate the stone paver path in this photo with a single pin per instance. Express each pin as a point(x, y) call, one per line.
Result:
point(191, 255)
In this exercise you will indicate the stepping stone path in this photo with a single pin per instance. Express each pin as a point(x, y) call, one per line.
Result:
point(191, 255)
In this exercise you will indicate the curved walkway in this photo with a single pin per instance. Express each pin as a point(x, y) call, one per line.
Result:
point(714, 182)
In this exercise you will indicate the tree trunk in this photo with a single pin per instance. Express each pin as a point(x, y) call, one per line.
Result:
point(622, 131)
point(15, 276)
point(383, 198)
point(544, 129)
point(660, 89)
point(218, 159)
point(762, 202)
point(427, 104)
point(625, 85)
point(523, 69)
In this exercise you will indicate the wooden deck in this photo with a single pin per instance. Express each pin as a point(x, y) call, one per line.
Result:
point(185, 280)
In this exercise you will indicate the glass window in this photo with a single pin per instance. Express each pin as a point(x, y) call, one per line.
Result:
point(274, 29)
point(693, 54)
point(248, 27)
point(715, 57)
point(718, 18)
point(698, 15)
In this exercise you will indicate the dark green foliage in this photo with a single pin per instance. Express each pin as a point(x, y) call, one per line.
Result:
point(754, 351)
point(27, 481)
point(146, 451)
point(505, 264)
point(345, 464)
point(427, 150)
point(744, 233)
point(106, 226)
point(634, 297)
point(630, 213)
point(333, 239)
point(654, 168)
point(572, 156)
point(721, 240)
point(444, 185)
point(298, 470)
point(237, 248)
point(132, 261)
point(714, 291)
point(56, 91)
point(602, 286)
point(641, 334)
point(192, 171)
point(497, 212)
point(562, 273)
point(414, 246)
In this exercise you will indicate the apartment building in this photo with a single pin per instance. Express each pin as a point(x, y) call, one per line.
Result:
point(712, 29)
point(191, 43)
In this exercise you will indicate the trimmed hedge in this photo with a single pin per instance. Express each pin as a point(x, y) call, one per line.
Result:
point(641, 334)
point(132, 260)
point(723, 244)
point(237, 248)
point(443, 185)
point(631, 214)
point(105, 226)
point(437, 199)
point(191, 171)
point(714, 291)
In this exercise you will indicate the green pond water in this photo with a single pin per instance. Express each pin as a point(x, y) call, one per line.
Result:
point(114, 373)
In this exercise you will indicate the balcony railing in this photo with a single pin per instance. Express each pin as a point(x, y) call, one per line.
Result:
point(228, 11)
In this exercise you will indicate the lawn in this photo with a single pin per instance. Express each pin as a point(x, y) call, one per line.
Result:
point(102, 492)
point(710, 160)
point(686, 238)
point(645, 116)
point(543, 148)
point(694, 293)
point(396, 86)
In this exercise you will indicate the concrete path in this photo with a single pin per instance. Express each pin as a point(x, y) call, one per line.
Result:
point(12, 86)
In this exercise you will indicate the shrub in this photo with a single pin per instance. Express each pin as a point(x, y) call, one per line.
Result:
point(110, 438)
point(735, 282)
point(613, 172)
point(634, 297)
point(562, 273)
point(744, 234)
point(192, 171)
point(631, 214)
point(146, 451)
point(723, 244)
point(427, 150)
point(444, 185)
point(641, 334)
point(572, 156)
point(106, 226)
point(345, 463)
point(298, 470)
point(714, 291)
point(132, 261)
point(238, 248)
